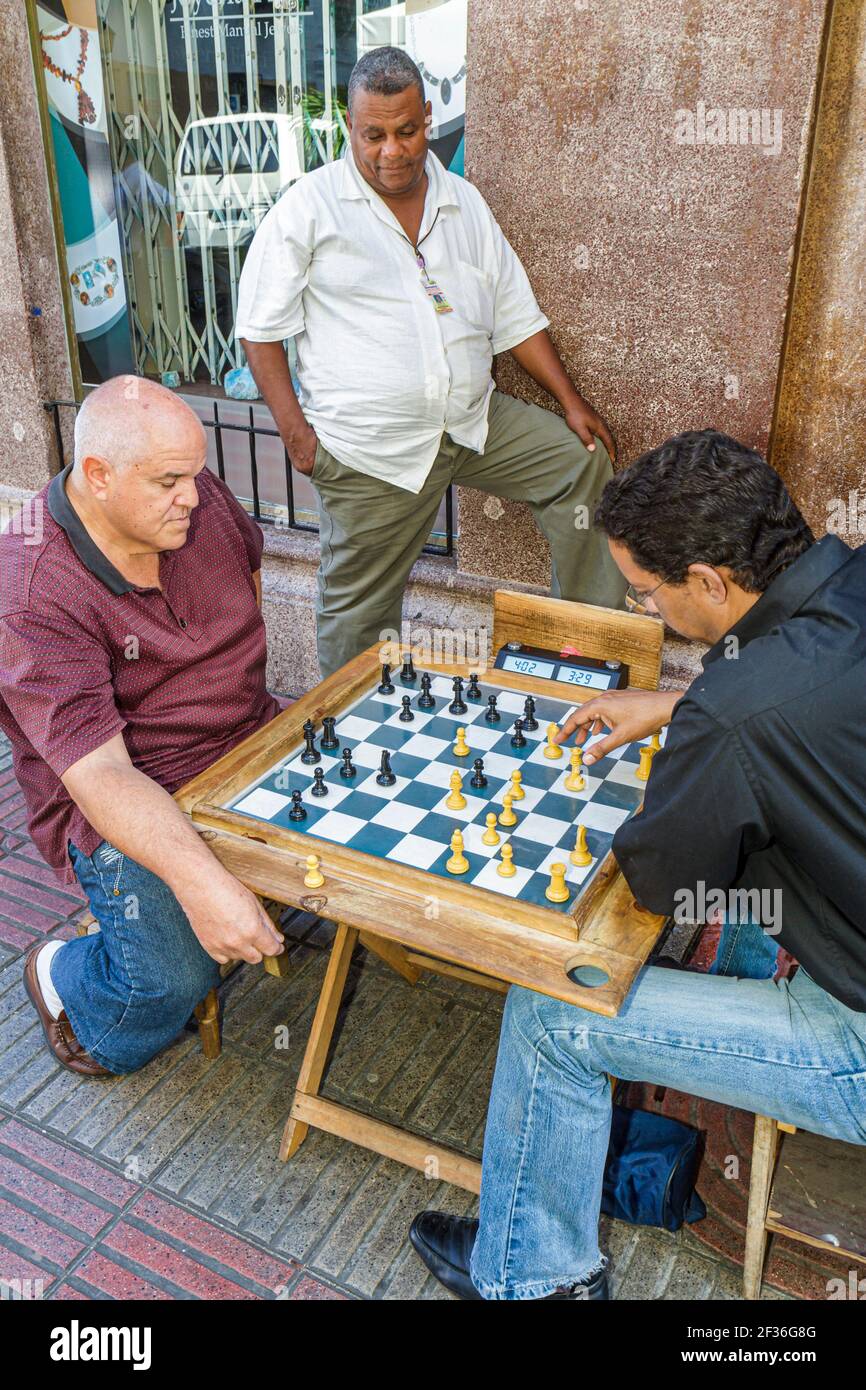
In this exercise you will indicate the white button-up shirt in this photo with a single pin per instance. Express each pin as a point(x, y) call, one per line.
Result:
point(382, 374)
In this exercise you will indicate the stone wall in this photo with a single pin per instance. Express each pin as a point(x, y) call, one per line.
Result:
point(665, 267)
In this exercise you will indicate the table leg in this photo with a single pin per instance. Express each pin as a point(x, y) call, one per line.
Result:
point(208, 1015)
point(392, 954)
point(319, 1041)
point(764, 1148)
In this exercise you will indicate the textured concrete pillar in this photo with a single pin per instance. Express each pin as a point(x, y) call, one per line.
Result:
point(819, 439)
point(34, 365)
point(658, 228)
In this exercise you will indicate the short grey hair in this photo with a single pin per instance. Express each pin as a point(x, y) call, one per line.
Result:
point(384, 71)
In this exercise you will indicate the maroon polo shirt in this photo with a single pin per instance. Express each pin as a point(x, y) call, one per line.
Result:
point(85, 655)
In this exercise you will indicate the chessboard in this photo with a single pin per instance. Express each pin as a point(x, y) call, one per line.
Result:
point(405, 818)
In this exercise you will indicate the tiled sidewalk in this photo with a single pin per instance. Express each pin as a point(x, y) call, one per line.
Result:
point(166, 1184)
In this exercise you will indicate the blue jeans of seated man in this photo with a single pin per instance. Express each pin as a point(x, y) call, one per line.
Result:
point(788, 1050)
point(747, 950)
point(130, 987)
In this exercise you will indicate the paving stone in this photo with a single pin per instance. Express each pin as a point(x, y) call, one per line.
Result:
point(313, 1290)
point(649, 1269)
point(373, 1013)
point(323, 1191)
point(35, 1237)
point(78, 1171)
point(368, 1262)
point(234, 1154)
point(195, 1234)
point(103, 1275)
point(167, 1117)
point(465, 1077)
point(18, 1181)
point(691, 1278)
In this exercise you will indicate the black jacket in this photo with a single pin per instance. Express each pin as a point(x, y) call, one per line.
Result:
point(762, 781)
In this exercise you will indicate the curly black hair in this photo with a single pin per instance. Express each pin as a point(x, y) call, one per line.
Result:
point(703, 498)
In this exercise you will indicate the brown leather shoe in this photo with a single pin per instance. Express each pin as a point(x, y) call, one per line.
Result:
point(58, 1031)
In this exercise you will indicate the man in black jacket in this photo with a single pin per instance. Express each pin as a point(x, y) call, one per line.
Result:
point(756, 803)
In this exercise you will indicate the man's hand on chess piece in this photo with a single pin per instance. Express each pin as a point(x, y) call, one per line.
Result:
point(628, 715)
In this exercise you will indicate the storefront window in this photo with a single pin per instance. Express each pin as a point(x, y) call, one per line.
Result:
point(176, 124)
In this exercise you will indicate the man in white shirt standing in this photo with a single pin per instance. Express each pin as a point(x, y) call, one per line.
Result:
point(399, 288)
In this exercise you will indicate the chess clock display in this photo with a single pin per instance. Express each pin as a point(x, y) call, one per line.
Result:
point(568, 666)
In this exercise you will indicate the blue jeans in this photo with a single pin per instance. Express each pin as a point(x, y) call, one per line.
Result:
point(788, 1050)
point(130, 988)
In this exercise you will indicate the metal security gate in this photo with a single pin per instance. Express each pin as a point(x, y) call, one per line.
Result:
point(214, 107)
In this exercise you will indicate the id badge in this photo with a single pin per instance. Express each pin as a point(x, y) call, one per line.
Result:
point(440, 303)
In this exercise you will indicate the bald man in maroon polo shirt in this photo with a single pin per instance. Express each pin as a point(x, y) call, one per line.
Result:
point(132, 655)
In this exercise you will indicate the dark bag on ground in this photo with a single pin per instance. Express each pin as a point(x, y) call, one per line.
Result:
point(652, 1164)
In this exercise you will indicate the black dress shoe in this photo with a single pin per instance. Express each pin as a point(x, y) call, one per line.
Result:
point(445, 1244)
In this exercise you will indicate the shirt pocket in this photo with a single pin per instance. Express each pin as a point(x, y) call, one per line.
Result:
point(475, 297)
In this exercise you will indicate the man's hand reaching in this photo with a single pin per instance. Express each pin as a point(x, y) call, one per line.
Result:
point(627, 714)
point(229, 920)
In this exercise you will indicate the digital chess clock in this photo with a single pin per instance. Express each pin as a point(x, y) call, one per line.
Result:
point(589, 672)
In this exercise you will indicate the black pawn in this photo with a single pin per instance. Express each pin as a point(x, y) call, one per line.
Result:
point(386, 688)
point(458, 704)
point(529, 720)
point(408, 675)
point(517, 739)
point(478, 779)
point(329, 738)
point(385, 777)
point(311, 753)
point(297, 812)
point(425, 699)
point(348, 768)
point(406, 714)
point(319, 787)
point(491, 714)
point(473, 691)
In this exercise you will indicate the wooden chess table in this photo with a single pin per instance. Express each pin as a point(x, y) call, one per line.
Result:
point(382, 851)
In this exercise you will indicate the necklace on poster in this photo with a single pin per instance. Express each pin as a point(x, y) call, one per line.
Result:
point(86, 109)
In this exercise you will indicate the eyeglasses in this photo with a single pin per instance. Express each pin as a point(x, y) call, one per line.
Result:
point(636, 602)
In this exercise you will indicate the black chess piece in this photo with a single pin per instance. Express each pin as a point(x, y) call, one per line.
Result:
point(529, 720)
point(385, 777)
point(425, 699)
point(458, 704)
point(491, 714)
point(311, 753)
point(329, 739)
point(408, 675)
point(478, 779)
point(348, 768)
point(406, 715)
point(473, 691)
point(298, 812)
point(517, 739)
point(320, 786)
point(386, 688)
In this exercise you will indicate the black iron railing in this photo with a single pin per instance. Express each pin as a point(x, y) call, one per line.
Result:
point(280, 514)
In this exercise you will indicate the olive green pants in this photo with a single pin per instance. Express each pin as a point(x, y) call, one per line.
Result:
point(372, 532)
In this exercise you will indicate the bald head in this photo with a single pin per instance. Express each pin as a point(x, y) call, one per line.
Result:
point(138, 451)
point(129, 420)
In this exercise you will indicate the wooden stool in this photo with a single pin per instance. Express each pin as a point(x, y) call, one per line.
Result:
point(208, 1011)
point(816, 1198)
